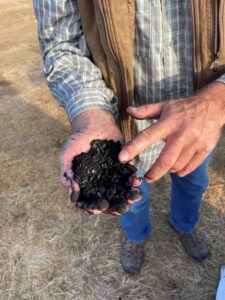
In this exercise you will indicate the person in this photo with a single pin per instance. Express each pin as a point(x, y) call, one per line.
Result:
point(157, 67)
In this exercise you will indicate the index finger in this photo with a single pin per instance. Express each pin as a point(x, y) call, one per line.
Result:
point(144, 139)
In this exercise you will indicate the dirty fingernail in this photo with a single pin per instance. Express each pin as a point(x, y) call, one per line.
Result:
point(134, 195)
point(123, 156)
point(104, 205)
point(121, 209)
point(74, 196)
point(69, 189)
point(136, 181)
point(80, 204)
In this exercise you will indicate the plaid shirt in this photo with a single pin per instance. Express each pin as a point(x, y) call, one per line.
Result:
point(163, 59)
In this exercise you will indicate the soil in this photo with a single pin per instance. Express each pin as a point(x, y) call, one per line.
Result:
point(103, 180)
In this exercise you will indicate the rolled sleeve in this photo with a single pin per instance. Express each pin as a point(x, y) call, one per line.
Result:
point(74, 80)
point(221, 79)
point(91, 99)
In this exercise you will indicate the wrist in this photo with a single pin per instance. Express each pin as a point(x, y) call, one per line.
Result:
point(93, 117)
point(214, 93)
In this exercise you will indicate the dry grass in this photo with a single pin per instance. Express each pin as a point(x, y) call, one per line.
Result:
point(46, 250)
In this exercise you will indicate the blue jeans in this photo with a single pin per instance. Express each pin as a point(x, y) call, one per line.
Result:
point(186, 198)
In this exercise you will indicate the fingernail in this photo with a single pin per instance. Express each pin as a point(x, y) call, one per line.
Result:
point(124, 156)
point(136, 181)
point(79, 204)
point(74, 196)
point(181, 174)
point(104, 205)
point(173, 171)
point(133, 107)
point(121, 208)
point(134, 195)
point(148, 180)
point(69, 189)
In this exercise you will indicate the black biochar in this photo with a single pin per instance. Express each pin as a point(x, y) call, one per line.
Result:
point(103, 180)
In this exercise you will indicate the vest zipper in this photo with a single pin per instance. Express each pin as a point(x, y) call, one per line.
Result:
point(109, 30)
point(218, 33)
point(194, 42)
point(112, 42)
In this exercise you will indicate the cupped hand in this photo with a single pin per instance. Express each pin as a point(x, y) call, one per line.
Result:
point(190, 128)
point(88, 126)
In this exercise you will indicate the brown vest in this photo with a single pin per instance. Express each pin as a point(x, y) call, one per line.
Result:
point(109, 26)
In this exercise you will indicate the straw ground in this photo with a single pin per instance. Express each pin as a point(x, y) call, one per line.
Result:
point(46, 250)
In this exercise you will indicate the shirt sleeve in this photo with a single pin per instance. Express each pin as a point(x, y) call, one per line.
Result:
point(74, 80)
point(221, 78)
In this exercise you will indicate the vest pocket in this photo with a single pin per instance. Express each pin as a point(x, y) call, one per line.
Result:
point(219, 53)
point(222, 30)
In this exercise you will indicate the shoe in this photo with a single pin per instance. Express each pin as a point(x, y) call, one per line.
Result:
point(132, 256)
point(194, 245)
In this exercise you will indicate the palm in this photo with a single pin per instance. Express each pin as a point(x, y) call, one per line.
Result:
point(80, 141)
point(95, 125)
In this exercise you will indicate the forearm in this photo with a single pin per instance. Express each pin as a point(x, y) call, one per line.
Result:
point(77, 84)
point(73, 79)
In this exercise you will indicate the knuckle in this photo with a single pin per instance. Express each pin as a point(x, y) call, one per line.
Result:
point(204, 149)
point(195, 135)
point(147, 134)
point(177, 167)
point(144, 108)
point(191, 133)
point(165, 161)
point(201, 140)
point(208, 148)
point(174, 151)
point(189, 168)
point(171, 119)
point(172, 122)
point(147, 108)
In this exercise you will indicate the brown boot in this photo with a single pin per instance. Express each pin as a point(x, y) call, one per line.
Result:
point(194, 244)
point(132, 256)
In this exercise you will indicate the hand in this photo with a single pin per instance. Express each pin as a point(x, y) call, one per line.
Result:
point(89, 125)
point(190, 128)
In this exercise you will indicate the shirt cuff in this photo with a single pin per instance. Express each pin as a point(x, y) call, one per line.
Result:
point(83, 101)
point(221, 78)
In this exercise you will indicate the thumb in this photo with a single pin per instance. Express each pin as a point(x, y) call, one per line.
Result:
point(149, 111)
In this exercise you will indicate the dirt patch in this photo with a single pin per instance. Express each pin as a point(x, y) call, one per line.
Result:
point(6, 88)
point(103, 180)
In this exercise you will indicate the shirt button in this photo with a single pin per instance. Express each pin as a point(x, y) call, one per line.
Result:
point(172, 43)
